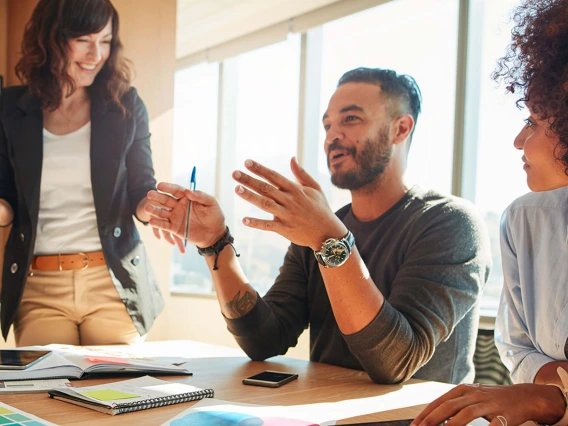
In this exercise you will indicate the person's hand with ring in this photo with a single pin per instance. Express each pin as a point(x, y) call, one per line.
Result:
point(500, 405)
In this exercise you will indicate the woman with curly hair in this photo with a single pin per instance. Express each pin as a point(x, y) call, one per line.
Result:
point(75, 167)
point(532, 324)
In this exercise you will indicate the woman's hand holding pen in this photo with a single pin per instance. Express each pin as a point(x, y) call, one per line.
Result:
point(301, 212)
point(169, 209)
point(144, 216)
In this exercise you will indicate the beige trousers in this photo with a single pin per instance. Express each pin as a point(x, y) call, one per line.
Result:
point(78, 307)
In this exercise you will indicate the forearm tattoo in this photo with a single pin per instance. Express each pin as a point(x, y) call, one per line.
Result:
point(241, 304)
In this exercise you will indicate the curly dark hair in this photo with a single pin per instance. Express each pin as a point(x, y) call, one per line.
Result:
point(44, 63)
point(536, 65)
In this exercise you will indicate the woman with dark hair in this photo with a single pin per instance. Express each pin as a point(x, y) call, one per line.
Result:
point(532, 324)
point(75, 167)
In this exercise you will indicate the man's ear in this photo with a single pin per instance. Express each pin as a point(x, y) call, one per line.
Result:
point(402, 128)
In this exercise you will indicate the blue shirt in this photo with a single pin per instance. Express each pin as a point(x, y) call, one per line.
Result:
point(531, 329)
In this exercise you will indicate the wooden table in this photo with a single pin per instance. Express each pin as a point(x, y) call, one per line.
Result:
point(223, 369)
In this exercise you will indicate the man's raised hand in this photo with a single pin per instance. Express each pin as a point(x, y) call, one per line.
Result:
point(300, 210)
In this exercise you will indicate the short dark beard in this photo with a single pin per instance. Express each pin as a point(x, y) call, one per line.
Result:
point(371, 162)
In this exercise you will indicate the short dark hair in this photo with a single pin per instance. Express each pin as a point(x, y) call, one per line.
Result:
point(44, 61)
point(400, 88)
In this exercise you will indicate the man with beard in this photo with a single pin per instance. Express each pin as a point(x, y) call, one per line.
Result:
point(388, 284)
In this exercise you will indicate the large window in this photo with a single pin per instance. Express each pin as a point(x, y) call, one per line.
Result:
point(265, 90)
point(195, 144)
point(267, 132)
point(260, 113)
point(499, 122)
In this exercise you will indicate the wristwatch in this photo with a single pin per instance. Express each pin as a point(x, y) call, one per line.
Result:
point(335, 252)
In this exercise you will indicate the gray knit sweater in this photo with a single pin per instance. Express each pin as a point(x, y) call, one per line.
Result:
point(429, 255)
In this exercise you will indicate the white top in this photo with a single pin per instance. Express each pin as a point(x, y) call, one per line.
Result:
point(532, 325)
point(67, 221)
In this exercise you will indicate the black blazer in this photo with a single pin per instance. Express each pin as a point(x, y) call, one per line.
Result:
point(121, 175)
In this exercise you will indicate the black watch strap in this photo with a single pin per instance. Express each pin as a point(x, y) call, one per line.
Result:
point(349, 240)
point(216, 248)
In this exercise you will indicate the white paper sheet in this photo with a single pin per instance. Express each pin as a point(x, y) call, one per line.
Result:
point(318, 414)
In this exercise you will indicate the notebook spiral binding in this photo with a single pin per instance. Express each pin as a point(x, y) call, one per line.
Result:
point(127, 407)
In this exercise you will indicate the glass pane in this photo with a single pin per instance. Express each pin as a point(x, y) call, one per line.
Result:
point(410, 37)
point(499, 122)
point(267, 131)
point(195, 144)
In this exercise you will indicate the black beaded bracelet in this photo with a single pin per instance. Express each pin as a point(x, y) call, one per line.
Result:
point(216, 248)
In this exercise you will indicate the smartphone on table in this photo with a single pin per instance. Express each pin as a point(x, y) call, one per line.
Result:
point(270, 379)
point(14, 359)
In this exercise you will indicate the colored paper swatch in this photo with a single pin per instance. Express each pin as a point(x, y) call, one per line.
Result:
point(10, 416)
point(17, 417)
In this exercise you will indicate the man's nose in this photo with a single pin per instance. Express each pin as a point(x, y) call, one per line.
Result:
point(333, 135)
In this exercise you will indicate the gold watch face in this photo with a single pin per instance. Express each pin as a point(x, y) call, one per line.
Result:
point(335, 254)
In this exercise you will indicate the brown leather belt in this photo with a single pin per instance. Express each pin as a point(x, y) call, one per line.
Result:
point(65, 262)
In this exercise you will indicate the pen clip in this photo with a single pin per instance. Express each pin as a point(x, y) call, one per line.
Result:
point(192, 180)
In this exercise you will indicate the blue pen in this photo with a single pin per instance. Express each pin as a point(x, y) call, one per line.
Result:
point(192, 188)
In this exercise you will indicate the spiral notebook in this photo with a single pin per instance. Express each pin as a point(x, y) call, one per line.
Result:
point(131, 395)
